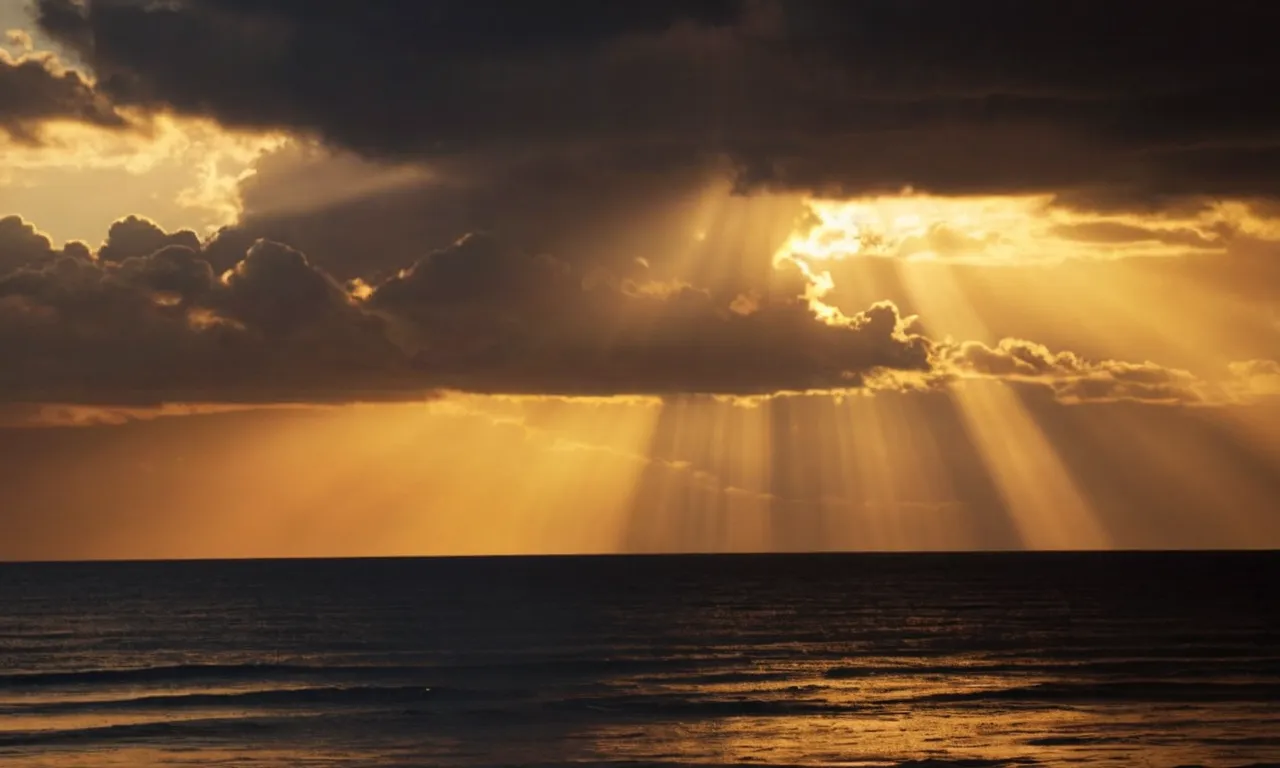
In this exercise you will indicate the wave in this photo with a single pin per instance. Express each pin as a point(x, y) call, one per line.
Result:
point(1144, 691)
point(220, 727)
point(1191, 648)
point(408, 699)
point(878, 762)
point(238, 729)
point(965, 763)
point(685, 706)
point(719, 678)
point(189, 672)
point(325, 696)
point(675, 671)
point(1169, 668)
point(502, 668)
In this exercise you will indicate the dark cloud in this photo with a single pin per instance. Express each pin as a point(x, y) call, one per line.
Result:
point(162, 327)
point(37, 88)
point(177, 272)
point(137, 236)
point(478, 269)
point(576, 205)
point(483, 316)
point(21, 244)
point(479, 315)
point(1098, 102)
point(122, 326)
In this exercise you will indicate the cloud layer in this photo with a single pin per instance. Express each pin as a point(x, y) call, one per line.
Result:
point(153, 316)
point(563, 127)
point(147, 317)
point(1098, 103)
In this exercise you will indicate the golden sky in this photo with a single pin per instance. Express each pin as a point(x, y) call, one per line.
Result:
point(256, 323)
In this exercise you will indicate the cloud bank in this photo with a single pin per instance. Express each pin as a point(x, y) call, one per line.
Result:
point(575, 116)
point(1098, 103)
point(153, 316)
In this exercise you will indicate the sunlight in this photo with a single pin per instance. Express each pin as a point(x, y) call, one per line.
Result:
point(550, 475)
point(706, 486)
point(1011, 230)
point(1177, 323)
point(905, 501)
point(460, 475)
point(186, 172)
point(1048, 509)
point(921, 227)
point(1208, 475)
point(732, 236)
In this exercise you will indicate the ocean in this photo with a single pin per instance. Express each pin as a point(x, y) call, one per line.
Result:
point(1126, 659)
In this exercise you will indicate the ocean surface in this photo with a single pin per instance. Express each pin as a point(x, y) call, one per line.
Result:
point(853, 660)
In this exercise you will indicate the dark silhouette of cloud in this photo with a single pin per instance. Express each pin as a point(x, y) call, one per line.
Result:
point(21, 244)
point(121, 326)
point(35, 88)
point(137, 236)
point(163, 327)
point(1103, 104)
point(479, 315)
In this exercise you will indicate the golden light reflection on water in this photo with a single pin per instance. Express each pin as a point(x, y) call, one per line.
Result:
point(27, 724)
point(912, 734)
point(133, 756)
point(794, 712)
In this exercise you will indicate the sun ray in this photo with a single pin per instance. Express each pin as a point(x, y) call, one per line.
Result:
point(1048, 509)
point(705, 487)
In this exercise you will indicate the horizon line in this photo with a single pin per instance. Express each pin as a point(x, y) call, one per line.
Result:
point(647, 555)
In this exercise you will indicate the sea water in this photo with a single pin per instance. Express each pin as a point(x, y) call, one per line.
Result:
point(1127, 659)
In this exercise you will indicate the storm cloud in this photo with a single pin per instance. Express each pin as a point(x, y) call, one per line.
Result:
point(1102, 104)
point(498, 154)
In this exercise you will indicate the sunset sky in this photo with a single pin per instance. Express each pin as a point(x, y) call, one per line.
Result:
point(318, 277)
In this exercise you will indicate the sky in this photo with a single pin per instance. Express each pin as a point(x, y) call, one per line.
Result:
point(318, 278)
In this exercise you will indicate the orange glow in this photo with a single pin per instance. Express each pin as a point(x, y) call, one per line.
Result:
point(185, 173)
point(980, 465)
point(1008, 230)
